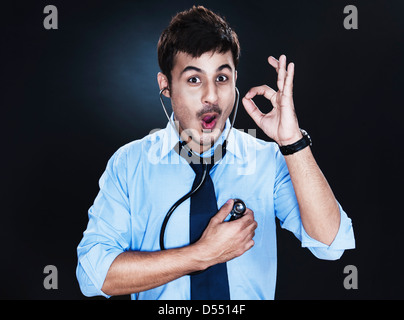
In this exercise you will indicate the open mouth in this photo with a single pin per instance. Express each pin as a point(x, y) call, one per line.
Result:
point(209, 120)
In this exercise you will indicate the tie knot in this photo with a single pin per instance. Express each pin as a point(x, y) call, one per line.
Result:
point(196, 162)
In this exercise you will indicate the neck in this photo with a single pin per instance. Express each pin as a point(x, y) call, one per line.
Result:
point(194, 145)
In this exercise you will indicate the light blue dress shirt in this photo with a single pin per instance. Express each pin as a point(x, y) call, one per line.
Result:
point(144, 178)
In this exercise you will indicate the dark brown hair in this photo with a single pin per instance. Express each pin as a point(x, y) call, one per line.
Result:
point(195, 32)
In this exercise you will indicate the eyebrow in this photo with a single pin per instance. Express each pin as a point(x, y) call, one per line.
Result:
point(189, 68)
point(224, 66)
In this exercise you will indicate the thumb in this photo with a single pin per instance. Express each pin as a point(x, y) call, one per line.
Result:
point(224, 211)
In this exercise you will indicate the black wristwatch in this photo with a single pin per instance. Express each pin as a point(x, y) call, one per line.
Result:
point(298, 145)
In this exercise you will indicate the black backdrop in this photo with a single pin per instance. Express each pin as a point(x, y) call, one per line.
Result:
point(72, 96)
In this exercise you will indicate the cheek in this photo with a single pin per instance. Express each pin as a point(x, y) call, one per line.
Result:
point(183, 113)
point(228, 103)
point(184, 104)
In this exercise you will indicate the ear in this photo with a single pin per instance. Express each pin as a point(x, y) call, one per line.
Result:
point(163, 83)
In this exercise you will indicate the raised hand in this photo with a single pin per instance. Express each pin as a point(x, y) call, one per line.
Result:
point(280, 124)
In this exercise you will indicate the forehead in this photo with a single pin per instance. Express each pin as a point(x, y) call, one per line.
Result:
point(207, 62)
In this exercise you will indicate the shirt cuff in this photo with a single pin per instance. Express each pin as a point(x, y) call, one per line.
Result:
point(92, 270)
point(344, 239)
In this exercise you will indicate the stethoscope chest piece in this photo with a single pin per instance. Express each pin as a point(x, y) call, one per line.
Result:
point(238, 210)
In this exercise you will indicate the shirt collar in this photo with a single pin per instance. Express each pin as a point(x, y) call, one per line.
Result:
point(171, 138)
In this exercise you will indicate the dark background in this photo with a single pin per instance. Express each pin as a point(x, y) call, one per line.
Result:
point(72, 96)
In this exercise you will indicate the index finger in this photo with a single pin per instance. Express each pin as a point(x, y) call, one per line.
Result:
point(263, 90)
point(247, 218)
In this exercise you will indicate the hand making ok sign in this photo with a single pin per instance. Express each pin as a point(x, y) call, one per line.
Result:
point(280, 124)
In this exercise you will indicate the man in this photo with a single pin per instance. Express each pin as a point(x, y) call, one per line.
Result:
point(120, 253)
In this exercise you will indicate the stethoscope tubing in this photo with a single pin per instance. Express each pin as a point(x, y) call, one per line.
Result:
point(179, 201)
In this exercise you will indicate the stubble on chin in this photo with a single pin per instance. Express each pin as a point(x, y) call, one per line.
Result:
point(209, 137)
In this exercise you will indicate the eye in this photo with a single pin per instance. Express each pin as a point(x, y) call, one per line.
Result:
point(221, 78)
point(194, 80)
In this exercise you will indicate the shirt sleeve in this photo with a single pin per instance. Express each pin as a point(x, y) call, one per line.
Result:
point(287, 210)
point(108, 230)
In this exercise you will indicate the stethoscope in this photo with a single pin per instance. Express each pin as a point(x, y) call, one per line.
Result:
point(239, 206)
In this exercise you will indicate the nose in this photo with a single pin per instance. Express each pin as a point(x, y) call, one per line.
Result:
point(210, 95)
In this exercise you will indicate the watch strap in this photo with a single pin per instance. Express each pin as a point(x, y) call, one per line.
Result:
point(298, 145)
